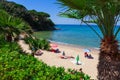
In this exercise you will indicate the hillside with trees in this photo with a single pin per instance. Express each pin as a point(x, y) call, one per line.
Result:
point(39, 21)
point(15, 63)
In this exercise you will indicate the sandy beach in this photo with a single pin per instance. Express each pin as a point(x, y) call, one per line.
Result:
point(89, 66)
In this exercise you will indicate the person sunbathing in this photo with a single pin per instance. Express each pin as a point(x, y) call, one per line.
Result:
point(90, 56)
point(55, 50)
point(66, 57)
point(38, 52)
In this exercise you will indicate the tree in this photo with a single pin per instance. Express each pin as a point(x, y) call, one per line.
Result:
point(106, 14)
point(41, 20)
point(11, 26)
point(37, 20)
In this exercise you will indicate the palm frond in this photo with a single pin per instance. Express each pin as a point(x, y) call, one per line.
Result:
point(11, 24)
point(104, 11)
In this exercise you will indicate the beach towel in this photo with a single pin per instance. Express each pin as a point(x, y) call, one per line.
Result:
point(75, 62)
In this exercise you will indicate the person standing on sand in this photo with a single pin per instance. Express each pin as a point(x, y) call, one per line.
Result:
point(63, 53)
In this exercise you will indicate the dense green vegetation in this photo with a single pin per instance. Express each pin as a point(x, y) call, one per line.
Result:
point(15, 65)
point(37, 20)
point(11, 26)
point(37, 43)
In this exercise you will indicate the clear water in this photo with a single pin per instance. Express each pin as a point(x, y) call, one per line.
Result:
point(80, 35)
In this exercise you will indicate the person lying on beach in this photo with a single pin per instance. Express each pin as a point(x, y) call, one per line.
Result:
point(55, 50)
point(88, 56)
point(38, 53)
point(66, 57)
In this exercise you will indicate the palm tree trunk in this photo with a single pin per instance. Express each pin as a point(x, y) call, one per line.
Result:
point(109, 60)
point(9, 37)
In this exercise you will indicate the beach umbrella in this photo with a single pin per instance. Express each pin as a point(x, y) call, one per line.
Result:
point(87, 50)
point(77, 59)
point(53, 46)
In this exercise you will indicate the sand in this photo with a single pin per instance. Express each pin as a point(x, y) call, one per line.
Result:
point(24, 46)
point(89, 66)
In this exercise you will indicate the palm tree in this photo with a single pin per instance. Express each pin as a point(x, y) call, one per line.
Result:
point(11, 26)
point(106, 14)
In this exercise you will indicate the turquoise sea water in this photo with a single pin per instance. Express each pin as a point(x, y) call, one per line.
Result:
point(80, 35)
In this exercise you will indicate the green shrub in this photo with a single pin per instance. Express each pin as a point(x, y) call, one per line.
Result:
point(37, 43)
point(16, 66)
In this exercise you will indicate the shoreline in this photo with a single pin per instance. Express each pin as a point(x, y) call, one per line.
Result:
point(89, 66)
point(73, 45)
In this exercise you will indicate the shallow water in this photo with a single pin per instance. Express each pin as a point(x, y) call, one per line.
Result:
point(80, 35)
